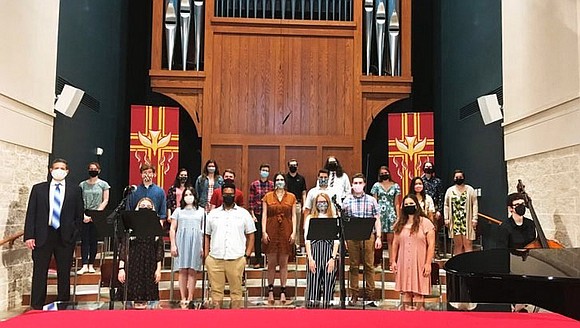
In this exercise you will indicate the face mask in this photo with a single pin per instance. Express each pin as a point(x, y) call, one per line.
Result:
point(264, 174)
point(323, 182)
point(280, 184)
point(332, 166)
point(183, 179)
point(384, 177)
point(293, 169)
point(322, 206)
point(58, 174)
point(520, 209)
point(418, 188)
point(428, 170)
point(228, 200)
point(147, 177)
point(358, 188)
point(210, 169)
point(93, 174)
point(459, 181)
point(189, 199)
point(409, 209)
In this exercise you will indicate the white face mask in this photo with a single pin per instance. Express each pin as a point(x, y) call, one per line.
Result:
point(58, 174)
point(189, 199)
point(358, 188)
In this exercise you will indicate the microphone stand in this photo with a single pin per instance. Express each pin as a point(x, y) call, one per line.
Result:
point(342, 254)
point(114, 217)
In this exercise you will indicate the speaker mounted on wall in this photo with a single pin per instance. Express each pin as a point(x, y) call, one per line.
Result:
point(489, 108)
point(68, 101)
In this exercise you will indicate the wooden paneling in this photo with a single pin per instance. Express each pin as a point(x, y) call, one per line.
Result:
point(283, 85)
point(228, 157)
point(350, 164)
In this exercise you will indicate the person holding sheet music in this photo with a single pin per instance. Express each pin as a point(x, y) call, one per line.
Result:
point(186, 234)
point(413, 251)
point(322, 257)
point(144, 267)
point(359, 205)
point(95, 197)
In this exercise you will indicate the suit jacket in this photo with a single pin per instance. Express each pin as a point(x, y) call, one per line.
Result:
point(71, 215)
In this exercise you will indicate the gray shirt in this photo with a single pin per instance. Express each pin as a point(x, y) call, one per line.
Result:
point(93, 193)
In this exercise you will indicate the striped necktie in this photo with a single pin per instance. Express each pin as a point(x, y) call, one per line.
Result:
point(56, 207)
point(332, 174)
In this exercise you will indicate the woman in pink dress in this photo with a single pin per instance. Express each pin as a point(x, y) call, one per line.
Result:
point(413, 251)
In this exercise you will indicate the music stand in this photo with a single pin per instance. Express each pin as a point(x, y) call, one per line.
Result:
point(140, 224)
point(322, 229)
point(359, 229)
point(103, 226)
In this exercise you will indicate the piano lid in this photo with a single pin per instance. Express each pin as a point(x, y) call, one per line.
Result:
point(533, 264)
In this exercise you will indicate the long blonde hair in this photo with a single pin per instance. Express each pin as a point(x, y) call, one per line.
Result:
point(329, 212)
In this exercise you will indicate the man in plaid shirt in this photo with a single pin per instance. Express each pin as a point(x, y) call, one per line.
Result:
point(258, 189)
point(362, 206)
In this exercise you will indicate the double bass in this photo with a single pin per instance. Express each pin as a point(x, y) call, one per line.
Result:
point(541, 241)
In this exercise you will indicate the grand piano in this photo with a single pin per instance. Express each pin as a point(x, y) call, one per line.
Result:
point(548, 278)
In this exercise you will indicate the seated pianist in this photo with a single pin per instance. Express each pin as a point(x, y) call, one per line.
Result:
point(517, 231)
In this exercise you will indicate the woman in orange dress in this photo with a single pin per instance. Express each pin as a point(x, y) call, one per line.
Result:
point(413, 251)
point(278, 232)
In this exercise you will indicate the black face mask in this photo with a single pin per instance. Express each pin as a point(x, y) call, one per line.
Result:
point(332, 166)
point(228, 200)
point(428, 170)
point(93, 174)
point(409, 209)
point(183, 179)
point(384, 177)
point(459, 181)
point(293, 169)
point(520, 209)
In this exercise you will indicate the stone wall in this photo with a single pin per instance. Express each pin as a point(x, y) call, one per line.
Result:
point(553, 183)
point(21, 168)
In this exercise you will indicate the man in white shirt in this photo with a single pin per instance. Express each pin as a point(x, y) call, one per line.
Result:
point(229, 238)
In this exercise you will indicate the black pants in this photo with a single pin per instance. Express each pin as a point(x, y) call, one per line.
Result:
point(258, 240)
point(41, 260)
point(89, 243)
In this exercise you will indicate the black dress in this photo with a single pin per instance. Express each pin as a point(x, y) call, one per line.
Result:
point(144, 253)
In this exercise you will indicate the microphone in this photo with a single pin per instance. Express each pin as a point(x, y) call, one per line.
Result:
point(334, 198)
point(129, 189)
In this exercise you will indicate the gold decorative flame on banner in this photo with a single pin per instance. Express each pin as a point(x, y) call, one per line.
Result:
point(410, 147)
point(154, 141)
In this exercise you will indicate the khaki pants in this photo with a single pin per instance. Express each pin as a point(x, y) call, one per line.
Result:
point(218, 271)
point(355, 254)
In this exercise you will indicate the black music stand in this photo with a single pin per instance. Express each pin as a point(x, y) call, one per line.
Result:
point(359, 229)
point(103, 226)
point(140, 224)
point(323, 229)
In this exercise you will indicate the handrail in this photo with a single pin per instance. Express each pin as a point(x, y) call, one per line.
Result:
point(489, 218)
point(10, 240)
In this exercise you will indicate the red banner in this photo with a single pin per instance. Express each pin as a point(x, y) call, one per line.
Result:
point(154, 140)
point(411, 143)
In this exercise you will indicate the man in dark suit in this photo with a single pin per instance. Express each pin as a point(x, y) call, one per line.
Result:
point(55, 211)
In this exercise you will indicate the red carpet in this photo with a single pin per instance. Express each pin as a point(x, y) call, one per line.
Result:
point(286, 318)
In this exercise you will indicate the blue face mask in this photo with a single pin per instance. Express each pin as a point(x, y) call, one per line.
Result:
point(264, 174)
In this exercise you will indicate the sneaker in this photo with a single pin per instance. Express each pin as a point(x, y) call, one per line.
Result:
point(83, 270)
point(92, 269)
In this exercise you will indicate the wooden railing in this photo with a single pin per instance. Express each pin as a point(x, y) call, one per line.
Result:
point(10, 240)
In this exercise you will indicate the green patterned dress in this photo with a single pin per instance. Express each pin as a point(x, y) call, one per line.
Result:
point(459, 213)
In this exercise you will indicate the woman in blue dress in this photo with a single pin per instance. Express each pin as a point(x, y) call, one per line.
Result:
point(186, 234)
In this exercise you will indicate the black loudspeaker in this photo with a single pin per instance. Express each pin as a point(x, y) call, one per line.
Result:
point(68, 101)
point(489, 108)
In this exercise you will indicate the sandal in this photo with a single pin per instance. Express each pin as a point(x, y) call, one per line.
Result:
point(271, 294)
point(283, 294)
